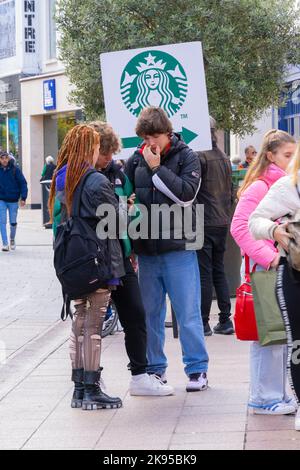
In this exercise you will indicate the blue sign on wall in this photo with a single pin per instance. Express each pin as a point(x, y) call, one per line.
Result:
point(287, 113)
point(49, 95)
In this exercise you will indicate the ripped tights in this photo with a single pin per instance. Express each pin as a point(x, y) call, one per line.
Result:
point(85, 340)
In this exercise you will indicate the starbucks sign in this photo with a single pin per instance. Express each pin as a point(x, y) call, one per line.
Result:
point(154, 79)
point(171, 77)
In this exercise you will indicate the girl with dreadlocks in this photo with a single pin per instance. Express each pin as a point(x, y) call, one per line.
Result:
point(78, 154)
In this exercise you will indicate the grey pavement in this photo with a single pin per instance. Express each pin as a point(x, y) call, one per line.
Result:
point(35, 387)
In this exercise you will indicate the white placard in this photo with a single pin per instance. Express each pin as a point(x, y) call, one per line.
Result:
point(171, 77)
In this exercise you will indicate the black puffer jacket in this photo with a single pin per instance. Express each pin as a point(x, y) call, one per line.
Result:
point(216, 188)
point(175, 182)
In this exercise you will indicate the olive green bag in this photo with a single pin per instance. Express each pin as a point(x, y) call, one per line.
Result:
point(269, 321)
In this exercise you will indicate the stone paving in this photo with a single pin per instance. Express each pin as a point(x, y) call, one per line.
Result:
point(35, 387)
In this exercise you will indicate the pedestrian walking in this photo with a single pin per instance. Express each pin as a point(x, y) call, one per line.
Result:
point(127, 295)
point(268, 368)
point(13, 192)
point(165, 173)
point(282, 203)
point(217, 196)
point(78, 154)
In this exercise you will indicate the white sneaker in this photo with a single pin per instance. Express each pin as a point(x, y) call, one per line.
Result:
point(297, 421)
point(5, 248)
point(197, 382)
point(281, 408)
point(292, 401)
point(12, 245)
point(162, 377)
point(152, 385)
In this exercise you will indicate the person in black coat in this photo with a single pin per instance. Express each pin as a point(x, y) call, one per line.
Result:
point(166, 176)
point(217, 197)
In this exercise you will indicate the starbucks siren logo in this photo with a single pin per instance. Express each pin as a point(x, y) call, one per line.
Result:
point(154, 79)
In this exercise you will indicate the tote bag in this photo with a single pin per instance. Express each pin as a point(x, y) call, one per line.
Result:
point(269, 321)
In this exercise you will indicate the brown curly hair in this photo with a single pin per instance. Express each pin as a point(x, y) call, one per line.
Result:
point(109, 141)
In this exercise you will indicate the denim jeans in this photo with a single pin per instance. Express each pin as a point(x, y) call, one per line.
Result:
point(268, 370)
point(176, 274)
point(12, 208)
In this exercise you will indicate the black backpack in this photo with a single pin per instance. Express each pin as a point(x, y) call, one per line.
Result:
point(81, 259)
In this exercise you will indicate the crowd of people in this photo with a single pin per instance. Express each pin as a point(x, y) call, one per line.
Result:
point(145, 268)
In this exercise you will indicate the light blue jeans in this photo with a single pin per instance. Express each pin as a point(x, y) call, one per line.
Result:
point(176, 274)
point(268, 370)
point(12, 209)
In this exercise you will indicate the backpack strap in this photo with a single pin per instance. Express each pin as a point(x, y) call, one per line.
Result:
point(77, 196)
point(66, 308)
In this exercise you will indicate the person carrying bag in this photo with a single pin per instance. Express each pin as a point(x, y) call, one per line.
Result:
point(283, 202)
point(87, 267)
point(268, 371)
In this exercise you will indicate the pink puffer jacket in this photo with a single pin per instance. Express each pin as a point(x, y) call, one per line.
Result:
point(261, 252)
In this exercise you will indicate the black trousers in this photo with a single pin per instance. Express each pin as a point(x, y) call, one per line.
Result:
point(288, 296)
point(131, 312)
point(212, 274)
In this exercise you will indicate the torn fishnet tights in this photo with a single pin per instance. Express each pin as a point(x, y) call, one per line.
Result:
point(85, 340)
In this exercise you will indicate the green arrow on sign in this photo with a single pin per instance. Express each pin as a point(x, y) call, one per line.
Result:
point(132, 142)
point(188, 135)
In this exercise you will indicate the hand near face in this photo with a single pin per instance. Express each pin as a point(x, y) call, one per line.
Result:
point(151, 154)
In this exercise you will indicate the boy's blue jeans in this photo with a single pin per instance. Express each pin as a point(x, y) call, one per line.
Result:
point(12, 209)
point(176, 274)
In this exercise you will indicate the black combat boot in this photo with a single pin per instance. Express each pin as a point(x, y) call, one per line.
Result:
point(94, 398)
point(77, 378)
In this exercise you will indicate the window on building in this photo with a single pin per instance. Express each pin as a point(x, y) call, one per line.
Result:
point(13, 133)
point(51, 30)
point(9, 132)
point(7, 29)
point(297, 127)
point(55, 128)
point(3, 132)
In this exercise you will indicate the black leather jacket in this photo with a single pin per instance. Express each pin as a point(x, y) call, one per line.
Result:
point(98, 190)
point(216, 191)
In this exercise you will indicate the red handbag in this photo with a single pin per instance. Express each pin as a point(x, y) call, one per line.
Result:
point(244, 316)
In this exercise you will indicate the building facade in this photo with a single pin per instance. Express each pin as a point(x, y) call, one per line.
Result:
point(289, 114)
point(35, 113)
point(286, 118)
point(19, 57)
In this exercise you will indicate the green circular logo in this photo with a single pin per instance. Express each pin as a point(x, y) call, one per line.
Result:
point(154, 78)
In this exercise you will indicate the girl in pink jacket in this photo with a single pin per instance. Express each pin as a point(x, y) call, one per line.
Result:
point(268, 364)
